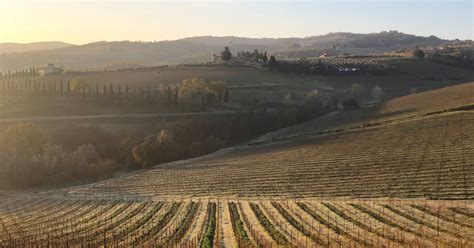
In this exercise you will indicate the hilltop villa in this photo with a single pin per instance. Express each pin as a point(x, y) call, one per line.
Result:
point(50, 70)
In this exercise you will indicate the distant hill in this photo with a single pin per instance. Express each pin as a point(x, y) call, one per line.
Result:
point(28, 47)
point(101, 55)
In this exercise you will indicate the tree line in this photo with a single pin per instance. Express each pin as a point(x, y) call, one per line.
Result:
point(185, 92)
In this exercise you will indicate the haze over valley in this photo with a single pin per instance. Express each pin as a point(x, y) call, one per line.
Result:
point(351, 125)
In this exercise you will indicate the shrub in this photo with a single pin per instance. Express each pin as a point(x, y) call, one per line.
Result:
point(377, 93)
point(22, 139)
point(418, 53)
point(226, 54)
point(31, 158)
point(351, 104)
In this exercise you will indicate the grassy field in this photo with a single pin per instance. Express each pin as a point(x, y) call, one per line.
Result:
point(407, 73)
point(245, 85)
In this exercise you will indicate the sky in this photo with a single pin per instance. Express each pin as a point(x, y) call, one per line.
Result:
point(85, 21)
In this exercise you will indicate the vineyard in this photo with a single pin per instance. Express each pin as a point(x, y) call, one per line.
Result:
point(340, 65)
point(407, 182)
point(411, 106)
point(429, 157)
point(61, 222)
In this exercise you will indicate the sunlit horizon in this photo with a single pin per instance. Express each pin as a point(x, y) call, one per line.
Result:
point(84, 22)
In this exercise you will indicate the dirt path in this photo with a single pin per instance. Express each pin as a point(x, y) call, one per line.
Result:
point(194, 233)
point(226, 237)
point(121, 116)
point(294, 236)
point(256, 230)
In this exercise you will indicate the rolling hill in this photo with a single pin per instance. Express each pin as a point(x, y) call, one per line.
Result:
point(28, 47)
point(400, 108)
point(448, 97)
point(421, 155)
point(399, 184)
point(335, 164)
point(119, 54)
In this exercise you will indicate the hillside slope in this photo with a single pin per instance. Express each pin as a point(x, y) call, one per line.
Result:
point(409, 106)
point(427, 157)
point(411, 155)
point(448, 97)
point(28, 47)
point(327, 190)
point(102, 55)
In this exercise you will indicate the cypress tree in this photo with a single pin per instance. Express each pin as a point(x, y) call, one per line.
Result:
point(176, 96)
point(226, 96)
point(169, 94)
point(134, 92)
point(141, 94)
point(149, 94)
point(203, 103)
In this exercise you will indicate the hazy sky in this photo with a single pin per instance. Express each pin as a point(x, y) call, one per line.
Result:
point(93, 20)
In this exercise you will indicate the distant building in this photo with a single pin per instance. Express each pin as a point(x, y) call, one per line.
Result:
point(50, 70)
point(324, 55)
point(216, 58)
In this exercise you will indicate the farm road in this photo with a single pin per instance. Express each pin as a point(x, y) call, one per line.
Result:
point(95, 117)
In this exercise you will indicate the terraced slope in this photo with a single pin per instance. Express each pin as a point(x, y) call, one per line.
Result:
point(429, 157)
point(402, 183)
point(448, 97)
point(308, 223)
point(407, 107)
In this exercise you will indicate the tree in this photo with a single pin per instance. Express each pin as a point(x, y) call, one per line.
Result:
point(203, 103)
point(169, 94)
point(351, 104)
point(156, 149)
point(333, 102)
point(357, 91)
point(265, 57)
point(377, 93)
point(418, 53)
point(192, 88)
point(272, 63)
point(226, 96)
point(226, 54)
point(22, 139)
point(176, 96)
point(77, 84)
